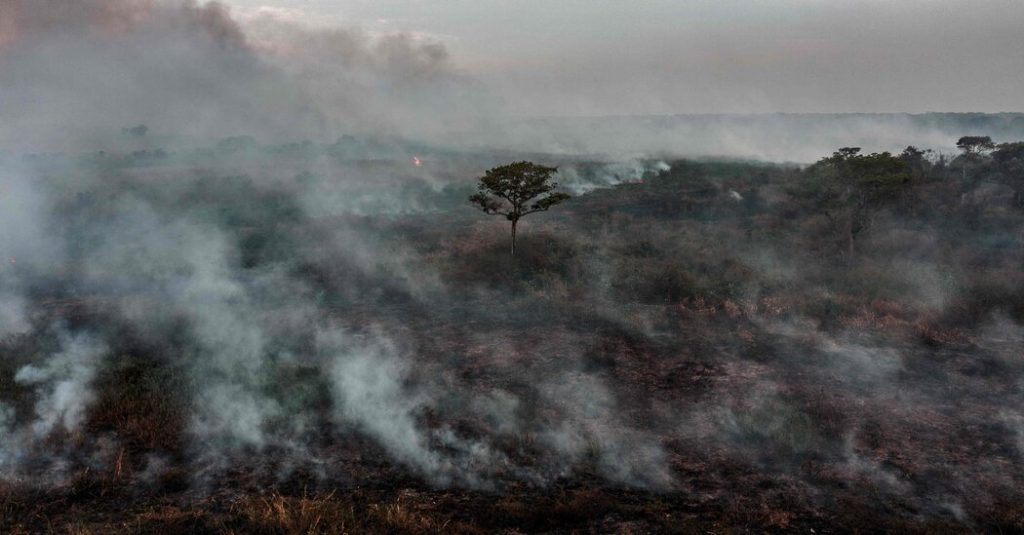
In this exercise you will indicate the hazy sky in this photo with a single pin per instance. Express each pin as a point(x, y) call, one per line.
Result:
point(674, 56)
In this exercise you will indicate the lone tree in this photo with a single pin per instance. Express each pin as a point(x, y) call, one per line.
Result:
point(973, 147)
point(516, 190)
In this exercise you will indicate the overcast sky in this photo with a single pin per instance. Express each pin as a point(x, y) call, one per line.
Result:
point(584, 57)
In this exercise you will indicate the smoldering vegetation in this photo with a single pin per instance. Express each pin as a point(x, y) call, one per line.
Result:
point(271, 313)
point(728, 343)
point(255, 299)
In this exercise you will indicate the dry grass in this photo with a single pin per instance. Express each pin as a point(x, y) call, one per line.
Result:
point(331, 514)
point(266, 514)
point(687, 314)
point(308, 515)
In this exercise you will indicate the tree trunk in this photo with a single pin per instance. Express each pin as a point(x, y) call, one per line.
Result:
point(514, 221)
point(851, 238)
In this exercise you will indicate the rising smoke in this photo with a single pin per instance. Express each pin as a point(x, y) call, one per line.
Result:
point(301, 322)
point(180, 260)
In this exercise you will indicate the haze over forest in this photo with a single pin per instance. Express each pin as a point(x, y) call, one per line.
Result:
point(249, 281)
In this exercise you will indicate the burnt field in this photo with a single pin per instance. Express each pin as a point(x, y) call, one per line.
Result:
point(288, 339)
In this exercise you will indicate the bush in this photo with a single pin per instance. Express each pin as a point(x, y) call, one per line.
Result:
point(540, 258)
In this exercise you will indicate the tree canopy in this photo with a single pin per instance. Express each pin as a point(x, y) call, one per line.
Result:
point(848, 186)
point(973, 145)
point(516, 190)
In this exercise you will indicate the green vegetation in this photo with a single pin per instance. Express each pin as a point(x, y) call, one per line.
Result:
point(850, 187)
point(508, 190)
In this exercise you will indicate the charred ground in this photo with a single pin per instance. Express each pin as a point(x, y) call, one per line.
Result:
point(705, 346)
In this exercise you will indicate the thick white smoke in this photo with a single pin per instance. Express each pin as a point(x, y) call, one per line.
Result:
point(76, 73)
point(166, 254)
point(63, 383)
point(164, 248)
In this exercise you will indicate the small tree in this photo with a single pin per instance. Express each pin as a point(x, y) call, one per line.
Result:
point(516, 190)
point(973, 147)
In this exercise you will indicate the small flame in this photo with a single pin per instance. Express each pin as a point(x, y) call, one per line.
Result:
point(416, 161)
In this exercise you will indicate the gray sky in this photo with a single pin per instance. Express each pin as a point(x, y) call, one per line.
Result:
point(595, 57)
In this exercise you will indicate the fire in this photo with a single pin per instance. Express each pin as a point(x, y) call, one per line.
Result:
point(416, 161)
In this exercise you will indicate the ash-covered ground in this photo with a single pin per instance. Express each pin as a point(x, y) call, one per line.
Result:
point(243, 289)
point(246, 339)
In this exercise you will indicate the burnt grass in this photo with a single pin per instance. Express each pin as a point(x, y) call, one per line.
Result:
point(792, 385)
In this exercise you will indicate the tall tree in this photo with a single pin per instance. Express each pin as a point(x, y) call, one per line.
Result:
point(973, 147)
point(849, 186)
point(516, 190)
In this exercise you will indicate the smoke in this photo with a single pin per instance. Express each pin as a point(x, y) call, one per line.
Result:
point(582, 180)
point(369, 381)
point(76, 73)
point(74, 76)
point(216, 278)
point(63, 384)
point(322, 307)
point(24, 244)
point(592, 428)
point(800, 138)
